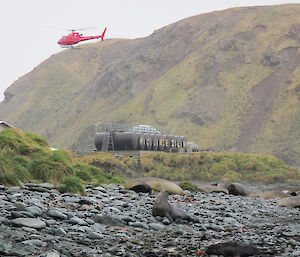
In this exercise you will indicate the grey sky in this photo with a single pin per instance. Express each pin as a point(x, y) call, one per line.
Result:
point(30, 29)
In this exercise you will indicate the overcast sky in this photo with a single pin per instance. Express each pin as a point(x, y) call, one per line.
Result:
point(30, 29)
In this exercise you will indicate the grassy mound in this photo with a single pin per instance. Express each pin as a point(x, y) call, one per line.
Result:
point(26, 157)
point(15, 142)
point(210, 166)
point(204, 166)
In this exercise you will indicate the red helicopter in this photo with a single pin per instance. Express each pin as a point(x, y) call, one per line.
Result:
point(74, 38)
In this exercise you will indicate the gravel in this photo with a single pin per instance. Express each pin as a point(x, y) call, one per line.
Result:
point(112, 221)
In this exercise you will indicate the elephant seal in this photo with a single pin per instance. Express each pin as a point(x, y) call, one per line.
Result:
point(234, 188)
point(272, 194)
point(157, 184)
point(292, 191)
point(292, 201)
point(161, 207)
point(238, 189)
point(142, 188)
point(212, 188)
point(230, 249)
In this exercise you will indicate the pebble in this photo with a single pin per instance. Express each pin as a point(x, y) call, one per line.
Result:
point(29, 222)
point(37, 220)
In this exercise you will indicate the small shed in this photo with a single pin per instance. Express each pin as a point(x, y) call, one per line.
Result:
point(4, 125)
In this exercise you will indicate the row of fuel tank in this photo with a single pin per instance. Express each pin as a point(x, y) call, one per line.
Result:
point(119, 141)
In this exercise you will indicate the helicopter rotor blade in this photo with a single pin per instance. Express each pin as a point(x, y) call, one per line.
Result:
point(81, 29)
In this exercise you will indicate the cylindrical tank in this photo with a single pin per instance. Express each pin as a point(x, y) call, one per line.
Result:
point(160, 143)
point(141, 141)
point(148, 141)
point(125, 141)
point(176, 141)
point(179, 142)
point(171, 139)
point(167, 142)
point(183, 142)
point(99, 140)
point(155, 142)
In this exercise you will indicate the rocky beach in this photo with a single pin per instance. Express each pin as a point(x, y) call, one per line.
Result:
point(37, 220)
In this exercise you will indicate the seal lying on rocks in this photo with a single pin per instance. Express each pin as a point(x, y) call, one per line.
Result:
point(157, 184)
point(238, 189)
point(292, 201)
point(234, 188)
point(272, 194)
point(212, 188)
point(163, 208)
point(231, 249)
point(142, 188)
point(292, 191)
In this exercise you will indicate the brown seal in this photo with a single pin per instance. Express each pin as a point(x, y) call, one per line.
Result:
point(163, 208)
point(272, 194)
point(238, 189)
point(234, 188)
point(157, 184)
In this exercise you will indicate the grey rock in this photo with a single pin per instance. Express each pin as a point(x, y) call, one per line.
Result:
point(89, 221)
point(36, 211)
point(127, 219)
point(13, 189)
point(57, 214)
point(29, 222)
point(4, 220)
point(106, 220)
point(95, 235)
point(52, 253)
point(60, 231)
point(295, 253)
point(20, 206)
point(156, 226)
point(166, 221)
point(34, 242)
point(138, 225)
point(76, 220)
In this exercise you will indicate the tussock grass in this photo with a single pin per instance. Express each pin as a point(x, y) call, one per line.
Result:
point(209, 166)
point(16, 142)
point(73, 185)
point(48, 170)
point(27, 157)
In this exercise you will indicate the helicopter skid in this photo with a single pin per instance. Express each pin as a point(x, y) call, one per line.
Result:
point(67, 46)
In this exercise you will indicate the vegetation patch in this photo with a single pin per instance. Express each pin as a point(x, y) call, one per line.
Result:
point(15, 142)
point(209, 166)
point(26, 157)
point(186, 185)
point(73, 185)
point(48, 170)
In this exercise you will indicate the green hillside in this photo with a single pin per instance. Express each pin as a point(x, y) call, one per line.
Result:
point(228, 80)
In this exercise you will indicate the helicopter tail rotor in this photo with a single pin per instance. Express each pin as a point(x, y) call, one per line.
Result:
point(102, 36)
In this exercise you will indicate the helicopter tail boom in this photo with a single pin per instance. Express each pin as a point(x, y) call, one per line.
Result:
point(102, 36)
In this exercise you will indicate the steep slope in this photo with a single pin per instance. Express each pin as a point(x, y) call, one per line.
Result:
point(228, 80)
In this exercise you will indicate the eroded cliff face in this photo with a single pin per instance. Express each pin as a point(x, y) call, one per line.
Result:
point(228, 80)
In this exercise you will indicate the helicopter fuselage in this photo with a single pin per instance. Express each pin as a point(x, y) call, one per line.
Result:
point(75, 37)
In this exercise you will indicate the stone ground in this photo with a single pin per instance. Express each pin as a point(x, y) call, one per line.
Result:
point(111, 221)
